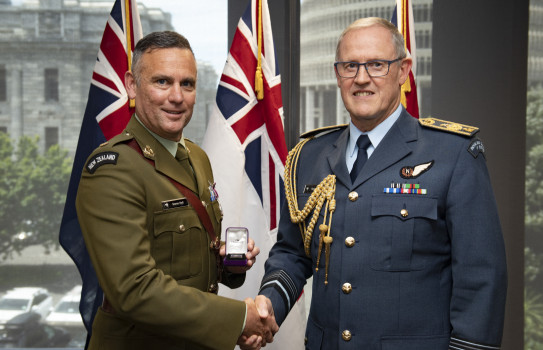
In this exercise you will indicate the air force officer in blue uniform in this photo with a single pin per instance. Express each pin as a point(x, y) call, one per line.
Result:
point(407, 252)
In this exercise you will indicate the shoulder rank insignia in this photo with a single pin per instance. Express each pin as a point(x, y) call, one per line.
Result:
point(444, 125)
point(101, 159)
point(322, 131)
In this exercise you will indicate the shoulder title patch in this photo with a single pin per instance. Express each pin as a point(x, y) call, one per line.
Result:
point(101, 159)
point(323, 130)
point(444, 125)
point(476, 147)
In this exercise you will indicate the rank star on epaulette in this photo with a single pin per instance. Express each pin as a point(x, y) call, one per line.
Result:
point(444, 125)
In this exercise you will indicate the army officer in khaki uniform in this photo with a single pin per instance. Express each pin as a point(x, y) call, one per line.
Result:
point(150, 217)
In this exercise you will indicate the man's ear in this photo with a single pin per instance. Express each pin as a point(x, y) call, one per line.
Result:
point(405, 68)
point(130, 84)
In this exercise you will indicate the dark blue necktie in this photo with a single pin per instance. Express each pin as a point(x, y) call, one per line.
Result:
point(362, 143)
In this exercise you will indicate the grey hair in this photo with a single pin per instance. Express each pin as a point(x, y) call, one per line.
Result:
point(397, 37)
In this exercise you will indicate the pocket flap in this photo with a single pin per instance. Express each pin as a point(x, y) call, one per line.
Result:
point(404, 206)
point(175, 220)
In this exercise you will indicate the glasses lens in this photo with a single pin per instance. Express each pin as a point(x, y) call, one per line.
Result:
point(347, 69)
point(377, 68)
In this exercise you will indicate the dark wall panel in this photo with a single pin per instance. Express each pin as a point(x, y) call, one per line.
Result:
point(479, 78)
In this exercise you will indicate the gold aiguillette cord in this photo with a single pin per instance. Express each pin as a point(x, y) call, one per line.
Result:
point(325, 191)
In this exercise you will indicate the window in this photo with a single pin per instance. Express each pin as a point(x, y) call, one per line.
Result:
point(51, 84)
point(3, 84)
point(426, 39)
point(51, 137)
point(50, 24)
point(421, 69)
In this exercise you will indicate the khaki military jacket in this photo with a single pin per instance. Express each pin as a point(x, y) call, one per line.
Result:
point(150, 251)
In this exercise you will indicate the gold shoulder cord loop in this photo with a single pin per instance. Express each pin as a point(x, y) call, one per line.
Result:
point(325, 191)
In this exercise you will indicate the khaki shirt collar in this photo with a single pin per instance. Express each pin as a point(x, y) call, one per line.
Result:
point(170, 145)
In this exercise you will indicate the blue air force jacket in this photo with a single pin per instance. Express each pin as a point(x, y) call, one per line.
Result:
point(422, 271)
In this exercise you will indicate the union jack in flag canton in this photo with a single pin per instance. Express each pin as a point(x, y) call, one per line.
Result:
point(403, 18)
point(254, 117)
point(106, 115)
point(246, 145)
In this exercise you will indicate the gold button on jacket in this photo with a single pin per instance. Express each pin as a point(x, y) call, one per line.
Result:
point(353, 196)
point(346, 288)
point(349, 242)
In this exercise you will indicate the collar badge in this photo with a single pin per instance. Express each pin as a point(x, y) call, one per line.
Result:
point(148, 152)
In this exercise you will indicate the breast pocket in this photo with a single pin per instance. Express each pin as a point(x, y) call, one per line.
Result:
point(395, 222)
point(179, 243)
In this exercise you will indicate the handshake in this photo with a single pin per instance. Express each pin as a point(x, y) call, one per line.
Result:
point(260, 325)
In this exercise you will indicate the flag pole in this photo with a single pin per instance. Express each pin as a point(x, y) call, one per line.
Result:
point(259, 82)
point(406, 87)
point(127, 5)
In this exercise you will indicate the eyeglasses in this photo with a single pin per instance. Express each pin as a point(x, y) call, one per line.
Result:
point(375, 68)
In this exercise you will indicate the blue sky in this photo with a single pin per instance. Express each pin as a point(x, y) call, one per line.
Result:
point(204, 23)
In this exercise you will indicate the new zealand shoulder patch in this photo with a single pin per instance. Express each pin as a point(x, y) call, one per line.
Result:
point(101, 159)
point(444, 125)
point(476, 147)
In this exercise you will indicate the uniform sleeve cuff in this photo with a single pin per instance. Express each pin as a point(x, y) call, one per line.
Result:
point(461, 344)
point(244, 321)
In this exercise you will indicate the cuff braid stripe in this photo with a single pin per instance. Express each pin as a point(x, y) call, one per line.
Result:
point(280, 290)
point(459, 344)
point(283, 283)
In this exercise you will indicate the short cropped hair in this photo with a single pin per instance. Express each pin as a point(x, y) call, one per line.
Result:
point(397, 37)
point(156, 40)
